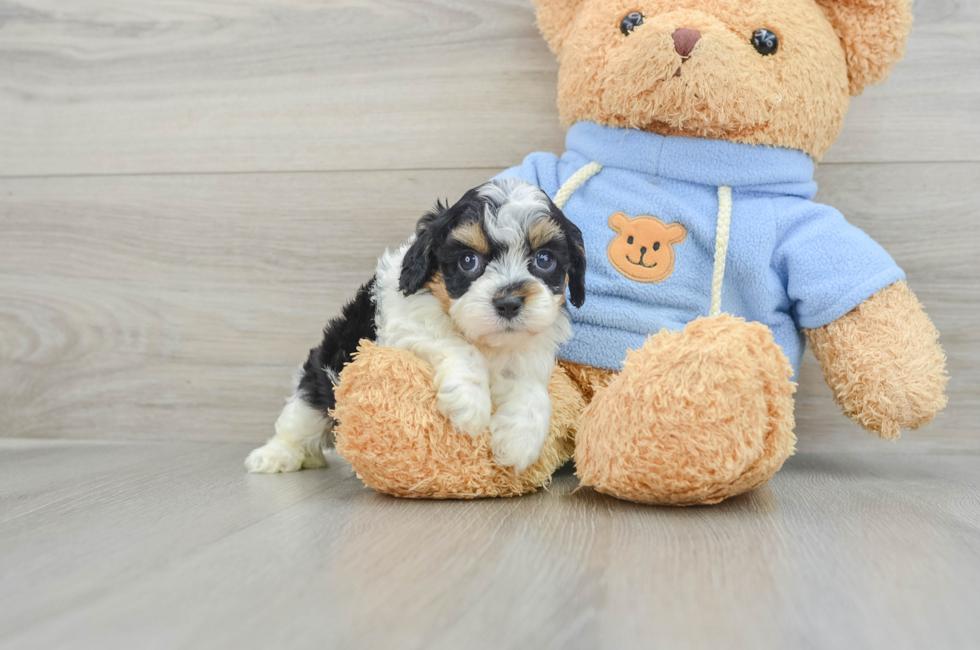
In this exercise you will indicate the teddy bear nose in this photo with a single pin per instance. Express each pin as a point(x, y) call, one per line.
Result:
point(684, 40)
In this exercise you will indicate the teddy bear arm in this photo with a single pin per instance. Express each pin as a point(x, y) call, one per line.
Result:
point(389, 428)
point(883, 362)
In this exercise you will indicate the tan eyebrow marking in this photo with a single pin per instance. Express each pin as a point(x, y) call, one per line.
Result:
point(472, 235)
point(437, 285)
point(543, 231)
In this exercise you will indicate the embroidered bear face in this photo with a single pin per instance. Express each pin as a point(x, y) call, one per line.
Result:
point(643, 248)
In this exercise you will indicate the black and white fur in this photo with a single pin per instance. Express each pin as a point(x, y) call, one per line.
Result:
point(478, 293)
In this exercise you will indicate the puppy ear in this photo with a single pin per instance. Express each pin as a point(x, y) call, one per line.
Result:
point(576, 256)
point(576, 270)
point(419, 263)
point(555, 18)
point(873, 33)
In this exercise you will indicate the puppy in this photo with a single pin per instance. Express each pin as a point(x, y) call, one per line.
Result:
point(479, 294)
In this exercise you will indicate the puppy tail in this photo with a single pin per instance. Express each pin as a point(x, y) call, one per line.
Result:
point(321, 372)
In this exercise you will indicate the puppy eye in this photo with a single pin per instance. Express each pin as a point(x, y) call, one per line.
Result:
point(630, 21)
point(469, 262)
point(765, 42)
point(544, 261)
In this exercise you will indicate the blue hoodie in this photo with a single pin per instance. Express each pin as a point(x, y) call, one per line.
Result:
point(791, 263)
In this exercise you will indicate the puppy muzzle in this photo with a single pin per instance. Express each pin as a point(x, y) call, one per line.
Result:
point(508, 306)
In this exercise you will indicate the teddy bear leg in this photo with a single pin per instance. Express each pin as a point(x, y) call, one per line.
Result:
point(390, 430)
point(695, 416)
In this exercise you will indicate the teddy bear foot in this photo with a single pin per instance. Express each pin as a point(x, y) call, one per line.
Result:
point(695, 417)
point(389, 428)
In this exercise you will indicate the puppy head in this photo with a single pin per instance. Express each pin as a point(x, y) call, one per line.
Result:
point(499, 260)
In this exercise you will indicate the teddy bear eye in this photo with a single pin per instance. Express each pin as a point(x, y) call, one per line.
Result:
point(630, 21)
point(765, 42)
point(656, 245)
point(629, 240)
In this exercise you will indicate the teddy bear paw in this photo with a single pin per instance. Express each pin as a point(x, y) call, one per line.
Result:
point(695, 417)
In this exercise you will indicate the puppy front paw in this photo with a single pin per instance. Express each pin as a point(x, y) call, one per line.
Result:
point(466, 402)
point(275, 456)
point(516, 438)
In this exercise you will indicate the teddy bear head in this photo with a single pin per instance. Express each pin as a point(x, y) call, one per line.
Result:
point(643, 248)
point(775, 72)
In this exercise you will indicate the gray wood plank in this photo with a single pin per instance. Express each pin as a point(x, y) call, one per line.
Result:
point(90, 87)
point(128, 302)
point(108, 528)
point(178, 306)
point(86, 467)
point(839, 550)
point(168, 86)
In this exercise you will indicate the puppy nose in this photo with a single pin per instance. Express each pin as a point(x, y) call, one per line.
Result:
point(684, 40)
point(508, 306)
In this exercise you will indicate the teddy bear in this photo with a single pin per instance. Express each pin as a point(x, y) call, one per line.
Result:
point(693, 131)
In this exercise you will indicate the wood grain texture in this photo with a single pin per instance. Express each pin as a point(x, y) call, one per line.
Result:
point(180, 306)
point(174, 86)
point(189, 188)
point(139, 545)
point(177, 307)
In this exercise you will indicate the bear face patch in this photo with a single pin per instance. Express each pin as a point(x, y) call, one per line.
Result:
point(643, 248)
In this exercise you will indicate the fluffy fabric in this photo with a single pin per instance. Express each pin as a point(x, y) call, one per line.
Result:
point(391, 432)
point(489, 330)
point(783, 248)
point(704, 409)
point(588, 379)
point(796, 98)
point(873, 34)
point(694, 417)
point(884, 363)
point(478, 294)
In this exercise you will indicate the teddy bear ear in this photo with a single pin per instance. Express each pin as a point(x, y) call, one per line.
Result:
point(555, 19)
point(677, 233)
point(617, 220)
point(873, 33)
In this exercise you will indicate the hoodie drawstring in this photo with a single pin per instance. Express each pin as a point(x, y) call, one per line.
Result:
point(722, 229)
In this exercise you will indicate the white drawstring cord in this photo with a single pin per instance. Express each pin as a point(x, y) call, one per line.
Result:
point(574, 182)
point(722, 231)
point(721, 246)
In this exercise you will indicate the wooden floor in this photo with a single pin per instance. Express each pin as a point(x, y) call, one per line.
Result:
point(188, 189)
point(168, 545)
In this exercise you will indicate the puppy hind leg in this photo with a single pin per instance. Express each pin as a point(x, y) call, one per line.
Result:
point(304, 428)
point(302, 431)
